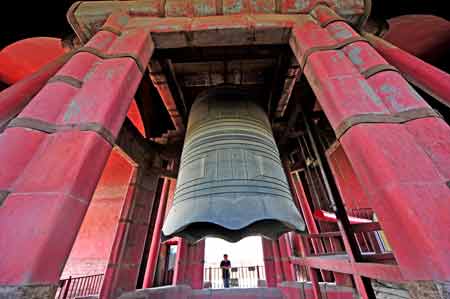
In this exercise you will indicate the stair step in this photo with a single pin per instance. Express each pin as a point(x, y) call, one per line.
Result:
point(237, 293)
point(185, 292)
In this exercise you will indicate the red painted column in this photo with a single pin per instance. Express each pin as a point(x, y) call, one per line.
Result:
point(429, 78)
point(53, 154)
point(124, 263)
point(179, 275)
point(279, 277)
point(156, 237)
point(196, 265)
point(285, 254)
point(300, 197)
point(269, 263)
point(17, 96)
point(161, 269)
point(119, 239)
point(398, 147)
point(305, 250)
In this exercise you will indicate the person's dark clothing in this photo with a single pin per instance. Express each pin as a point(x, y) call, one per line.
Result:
point(225, 273)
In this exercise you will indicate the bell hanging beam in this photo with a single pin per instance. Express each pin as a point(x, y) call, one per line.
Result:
point(231, 182)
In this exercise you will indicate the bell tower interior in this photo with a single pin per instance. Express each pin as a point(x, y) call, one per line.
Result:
point(321, 126)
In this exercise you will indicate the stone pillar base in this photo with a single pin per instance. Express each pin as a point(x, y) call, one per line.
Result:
point(28, 292)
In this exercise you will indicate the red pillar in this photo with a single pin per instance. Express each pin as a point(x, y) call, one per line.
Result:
point(279, 277)
point(269, 263)
point(17, 96)
point(53, 154)
point(196, 265)
point(179, 275)
point(161, 269)
point(156, 237)
point(126, 254)
point(429, 78)
point(398, 147)
point(304, 248)
point(119, 239)
point(285, 254)
point(190, 264)
point(302, 202)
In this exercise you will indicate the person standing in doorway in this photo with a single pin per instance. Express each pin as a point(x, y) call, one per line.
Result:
point(225, 265)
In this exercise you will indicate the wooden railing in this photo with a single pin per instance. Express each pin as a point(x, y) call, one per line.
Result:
point(73, 287)
point(377, 262)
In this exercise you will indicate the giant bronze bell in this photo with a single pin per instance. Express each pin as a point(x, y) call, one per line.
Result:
point(231, 183)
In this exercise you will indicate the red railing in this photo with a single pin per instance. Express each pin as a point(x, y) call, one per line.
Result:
point(377, 260)
point(242, 277)
point(73, 287)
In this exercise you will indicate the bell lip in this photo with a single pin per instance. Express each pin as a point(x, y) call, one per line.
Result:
point(225, 233)
point(284, 214)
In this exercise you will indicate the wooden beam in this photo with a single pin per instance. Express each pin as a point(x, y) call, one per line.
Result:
point(290, 130)
point(162, 84)
point(276, 79)
point(173, 81)
point(142, 151)
point(144, 96)
point(342, 264)
point(134, 145)
point(365, 227)
point(292, 74)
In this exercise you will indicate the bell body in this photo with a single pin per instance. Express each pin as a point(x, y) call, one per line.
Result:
point(231, 183)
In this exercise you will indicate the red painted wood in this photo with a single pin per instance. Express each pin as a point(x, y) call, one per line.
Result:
point(26, 56)
point(46, 209)
point(424, 75)
point(131, 256)
point(300, 197)
point(279, 277)
point(331, 217)
point(269, 263)
point(304, 249)
point(196, 265)
point(50, 196)
point(17, 96)
point(110, 278)
point(424, 36)
point(91, 250)
point(350, 188)
point(17, 159)
point(156, 237)
point(179, 276)
point(285, 254)
point(341, 264)
point(129, 244)
point(399, 170)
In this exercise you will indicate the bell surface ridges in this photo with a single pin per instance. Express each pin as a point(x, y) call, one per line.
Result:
point(231, 182)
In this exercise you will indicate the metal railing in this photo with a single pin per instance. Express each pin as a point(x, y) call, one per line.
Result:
point(73, 287)
point(242, 277)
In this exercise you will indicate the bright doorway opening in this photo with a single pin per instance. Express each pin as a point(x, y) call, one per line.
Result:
point(247, 263)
